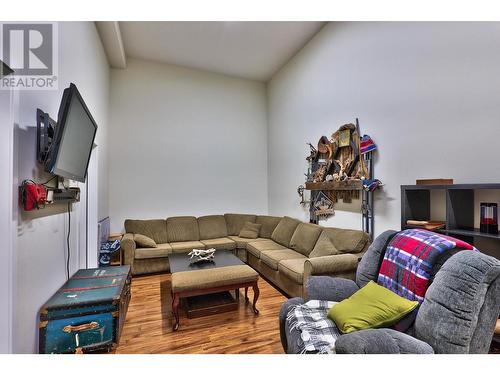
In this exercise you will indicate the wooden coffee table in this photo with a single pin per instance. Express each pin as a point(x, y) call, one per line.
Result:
point(225, 273)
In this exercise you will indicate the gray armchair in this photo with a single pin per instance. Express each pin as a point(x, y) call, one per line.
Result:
point(458, 314)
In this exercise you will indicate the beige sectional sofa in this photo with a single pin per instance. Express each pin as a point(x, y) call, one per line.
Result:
point(286, 252)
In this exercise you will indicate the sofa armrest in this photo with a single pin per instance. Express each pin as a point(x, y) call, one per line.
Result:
point(380, 341)
point(128, 248)
point(330, 288)
point(331, 264)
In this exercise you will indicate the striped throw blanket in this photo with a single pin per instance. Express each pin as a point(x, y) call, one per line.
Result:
point(409, 258)
point(318, 333)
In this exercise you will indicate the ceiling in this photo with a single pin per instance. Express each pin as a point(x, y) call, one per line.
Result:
point(252, 50)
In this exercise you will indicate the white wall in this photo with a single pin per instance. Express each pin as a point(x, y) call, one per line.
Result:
point(6, 222)
point(185, 142)
point(427, 93)
point(39, 263)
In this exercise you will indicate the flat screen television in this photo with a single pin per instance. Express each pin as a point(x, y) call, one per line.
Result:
point(74, 136)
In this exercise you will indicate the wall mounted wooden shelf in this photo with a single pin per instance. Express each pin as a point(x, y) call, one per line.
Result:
point(335, 185)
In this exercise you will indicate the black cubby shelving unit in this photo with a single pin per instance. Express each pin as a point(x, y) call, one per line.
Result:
point(416, 205)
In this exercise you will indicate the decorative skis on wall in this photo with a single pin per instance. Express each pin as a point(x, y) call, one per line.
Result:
point(341, 167)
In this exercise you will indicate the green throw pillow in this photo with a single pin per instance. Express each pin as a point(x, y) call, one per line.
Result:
point(373, 306)
point(144, 241)
point(250, 230)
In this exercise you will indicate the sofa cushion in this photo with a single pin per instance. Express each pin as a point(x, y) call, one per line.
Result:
point(242, 254)
point(235, 222)
point(144, 241)
point(284, 231)
point(304, 238)
point(161, 251)
point(213, 226)
point(186, 246)
point(255, 248)
point(220, 243)
point(269, 224)
point(182, 228)
point(273, 257)
point(241, 243)
point(293, 269)
point(155, 229)
point(324, 245)
point(333, 241)
point(250, 230)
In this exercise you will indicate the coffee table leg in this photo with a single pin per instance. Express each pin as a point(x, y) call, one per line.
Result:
point(256, 293)
point(175, 310)
point(237, 294)
point(246, 294)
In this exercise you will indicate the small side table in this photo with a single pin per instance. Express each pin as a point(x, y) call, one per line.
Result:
point(117, 257)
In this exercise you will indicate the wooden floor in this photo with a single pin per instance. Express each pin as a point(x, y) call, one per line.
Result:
point(148, 326)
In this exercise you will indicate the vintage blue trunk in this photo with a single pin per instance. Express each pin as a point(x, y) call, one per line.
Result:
point(87, 313)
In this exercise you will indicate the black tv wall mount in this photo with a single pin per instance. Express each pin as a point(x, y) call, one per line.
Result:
point(45, 127)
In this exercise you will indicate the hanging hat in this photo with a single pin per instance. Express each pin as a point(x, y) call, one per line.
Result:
point(367, 144)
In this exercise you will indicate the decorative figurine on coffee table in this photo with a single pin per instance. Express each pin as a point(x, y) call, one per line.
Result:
point(198, 255)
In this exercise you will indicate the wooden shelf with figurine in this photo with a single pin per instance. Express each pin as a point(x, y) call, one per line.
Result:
point(341, 167)
point(335, 185)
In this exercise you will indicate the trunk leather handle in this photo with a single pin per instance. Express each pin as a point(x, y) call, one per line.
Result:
point(81, 327)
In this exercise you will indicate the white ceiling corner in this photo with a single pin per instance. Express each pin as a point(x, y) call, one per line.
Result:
point(251, 50)
point(111, 39)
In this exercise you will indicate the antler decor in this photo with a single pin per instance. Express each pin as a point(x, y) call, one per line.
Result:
point(198, 255)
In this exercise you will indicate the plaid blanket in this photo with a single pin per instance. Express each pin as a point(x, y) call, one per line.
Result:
point(318, 333)
point(409, 258)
